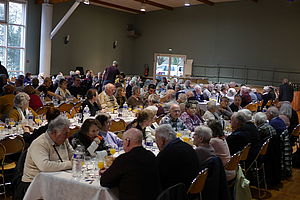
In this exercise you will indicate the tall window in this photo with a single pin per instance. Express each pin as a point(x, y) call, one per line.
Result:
point(169, 65)
point(12, 35)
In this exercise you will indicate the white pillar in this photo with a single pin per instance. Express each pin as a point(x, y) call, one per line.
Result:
point(45, 42)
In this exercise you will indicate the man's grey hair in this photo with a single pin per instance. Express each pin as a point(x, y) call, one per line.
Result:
point(260, 118)
point(240, 117)
point(21, 99)
point(248, 114)
point(165, 131)
point(273, 111)
point(286, 109)
point(115, 63)
point(109, 85)
point(204, 132)
point(58, 124)
point(135, 89)
point(211, 105)
point(197, 87)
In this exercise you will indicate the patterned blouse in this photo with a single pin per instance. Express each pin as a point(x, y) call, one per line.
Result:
point(190, 121)
point(177, 124)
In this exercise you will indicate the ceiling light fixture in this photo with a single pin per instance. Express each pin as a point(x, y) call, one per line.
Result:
point(187, 3)
point(143, 7)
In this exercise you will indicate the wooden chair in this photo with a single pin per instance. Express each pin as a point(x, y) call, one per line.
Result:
point(259, 105)
point(42, 110)
point(252, 107)
point(296, 131)
point(2, 158)
point(269, 103)
point(244, 155)
point(12, 146)
point(176, 192)
point(65, 107)
point(117, 125)
point(256, 167)
point(73, 112)
point(77, 106)
point(233, 163)
point(159, 118)
point(198, 183)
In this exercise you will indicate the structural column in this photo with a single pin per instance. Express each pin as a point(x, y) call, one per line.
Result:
point(45, 42)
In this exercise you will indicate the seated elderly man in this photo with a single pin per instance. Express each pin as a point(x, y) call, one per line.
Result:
point(50, 152)
point(176, 159)
point(107, 98)
point(211, 113)
point(274, 120)
point(189, 117)
point(173, 118)
point(236, 105)
point(239, 137)
point(135, 172)
point(265, 130)
point(224, 109)
point(204, 149)
point(198, 93)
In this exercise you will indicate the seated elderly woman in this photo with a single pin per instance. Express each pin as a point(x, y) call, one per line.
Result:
point(21, 109)
point(285, 108)
point(110, 138)
point(135, 99)
point(35, 100)
point(153, 100)
point(218, 142)
point(88, 137)
point(265, 130)
point(230, 94)
point(121, 96)
point(144, 119)
point(224, 109)
point(189, 118)
point(91, 102)
point(62, 89)
point(202, 137)
point(211, 113)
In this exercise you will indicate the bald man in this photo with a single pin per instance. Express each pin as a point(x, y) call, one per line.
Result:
point(135, 172)
point(173, 118)
point(107, 99)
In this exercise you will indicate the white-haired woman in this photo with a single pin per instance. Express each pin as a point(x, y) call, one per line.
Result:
point(21, 109)
point(265, 130)
point(211, 113)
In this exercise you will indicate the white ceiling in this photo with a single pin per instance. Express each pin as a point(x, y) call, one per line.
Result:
point(136, 5)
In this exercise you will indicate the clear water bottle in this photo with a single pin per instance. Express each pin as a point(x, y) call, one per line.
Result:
point(86, 113)
point(30, 119)
point(125, 109)
point(78, 160)
point(149, 143)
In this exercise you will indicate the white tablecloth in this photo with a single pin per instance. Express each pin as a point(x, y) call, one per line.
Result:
point(62, 186)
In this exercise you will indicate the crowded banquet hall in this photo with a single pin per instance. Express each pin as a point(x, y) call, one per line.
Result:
point(98, 102)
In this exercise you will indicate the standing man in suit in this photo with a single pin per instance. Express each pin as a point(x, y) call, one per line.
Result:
point(286, 91)
point(110, 73)
point(135, 172)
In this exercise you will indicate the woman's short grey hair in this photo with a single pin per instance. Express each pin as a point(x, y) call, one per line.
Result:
point(153, 98)
point(260, 118)
point(273, 111)
point(211, 105)
point(248, 114)
point(165, 131)
point(135, 89)
point(204, 132)
point(286, 109)
point(21, 99)
point(240, 117)
point(58, 124)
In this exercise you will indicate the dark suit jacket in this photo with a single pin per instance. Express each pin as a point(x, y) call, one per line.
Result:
point(237, 140)
point(135, 174)
point(177, 163)
point(286, 93)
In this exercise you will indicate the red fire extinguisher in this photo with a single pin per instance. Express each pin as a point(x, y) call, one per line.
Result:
point(146, 70)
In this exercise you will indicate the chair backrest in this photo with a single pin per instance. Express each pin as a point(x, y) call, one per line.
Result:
point(296, 131)
point(73, 112)
point(77, 106)
point(198, 183)
point(117, 125)
point(65, 107)
point(159, 118)
point(42, 110)
point(176, 192)
point(252, 107)
point(269, 103)
point(245, 152)
point(233, 163)
point(73, 131)
point(264, 148)
point(13, 145)
point(2, 153)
